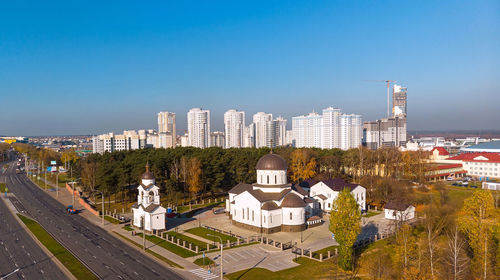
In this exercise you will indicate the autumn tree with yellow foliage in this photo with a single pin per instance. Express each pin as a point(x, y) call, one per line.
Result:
point(345, 225)
point(476, 222)
point(302, 165)
point(194, 175)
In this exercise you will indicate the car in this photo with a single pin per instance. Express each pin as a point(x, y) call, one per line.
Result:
point(219, 211)
point(70, 209)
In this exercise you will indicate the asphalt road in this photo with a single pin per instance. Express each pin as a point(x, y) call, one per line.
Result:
point(19, 251)
point(107, 256)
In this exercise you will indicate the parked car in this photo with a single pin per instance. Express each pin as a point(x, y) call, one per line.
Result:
point(70, 209)
point(219, 211)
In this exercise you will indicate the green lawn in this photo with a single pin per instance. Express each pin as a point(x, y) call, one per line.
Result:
point(200, 261)
point(169, 262)
point(2, 187)
point(202, 246)
point(308, 269)
point(169, 246)
point(64, 256)
point(111, 220)
point(185, 208)
point(128, 228)
point(371, 214)
point(203, 232)
point(324, 251)
point(457, 195)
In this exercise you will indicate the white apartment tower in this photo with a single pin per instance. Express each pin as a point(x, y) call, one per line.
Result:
point(199, 128)
point(261, 121)
point(307, 130)
point(234, 126)
point(330, 130)
point(166, 130)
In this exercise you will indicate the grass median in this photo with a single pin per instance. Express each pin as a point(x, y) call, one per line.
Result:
point(2, 187)
point(169, 246)
point(64, 256)
point(204, 232)
point(112, 220)
point(169, 262)
point(307, 269)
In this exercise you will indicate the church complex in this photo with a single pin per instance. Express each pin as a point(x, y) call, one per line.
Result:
point(272, 204)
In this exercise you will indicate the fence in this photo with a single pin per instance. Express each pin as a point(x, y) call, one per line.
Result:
point(81, 201)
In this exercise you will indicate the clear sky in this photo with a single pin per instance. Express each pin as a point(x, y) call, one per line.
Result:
point(85, 67)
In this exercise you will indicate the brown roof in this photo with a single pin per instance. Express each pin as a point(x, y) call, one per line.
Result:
point(269, 206)
point(308, 183)
point(263, 196)
point(321, 196)
point(271, 162)
point(339, 184)
point(314, 218)
point(300, 190)
point(241, 187)
point(272, 186)
point(309, 200)
point(148, 175)
point(151, 207)
point(397, 205)
point(293, 201)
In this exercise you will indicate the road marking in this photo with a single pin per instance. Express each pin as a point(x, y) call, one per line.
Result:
point(202, 273)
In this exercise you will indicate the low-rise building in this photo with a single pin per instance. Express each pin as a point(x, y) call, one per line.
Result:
point(480, 165)
point(398, 210)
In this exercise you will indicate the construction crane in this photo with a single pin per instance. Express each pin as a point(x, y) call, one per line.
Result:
point(388, 82)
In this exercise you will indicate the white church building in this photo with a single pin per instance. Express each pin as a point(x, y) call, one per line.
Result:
point(147, 210)
point(272, 204)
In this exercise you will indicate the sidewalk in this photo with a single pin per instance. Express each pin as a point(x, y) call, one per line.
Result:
point(66, 199)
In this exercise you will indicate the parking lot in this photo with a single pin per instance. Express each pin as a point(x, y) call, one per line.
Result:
point(254, 256)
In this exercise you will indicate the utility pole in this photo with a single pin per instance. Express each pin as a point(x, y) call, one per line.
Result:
point(143, 218)
point(221, 274)
point(57, 184)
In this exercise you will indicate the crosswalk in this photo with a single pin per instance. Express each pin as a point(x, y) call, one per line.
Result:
point(204, 274)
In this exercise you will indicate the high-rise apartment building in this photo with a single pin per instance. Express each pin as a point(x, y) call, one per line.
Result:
point(234, 126)
point(330, 130)
point(399, 98)
point(217, 139)
point(388, 132)
point(249, 136)
point(306, 130)
point(166, 130)
point(279, 135)
point(199, 128)
point(261, 121)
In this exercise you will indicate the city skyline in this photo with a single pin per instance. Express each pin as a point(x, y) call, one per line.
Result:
point(96, 70)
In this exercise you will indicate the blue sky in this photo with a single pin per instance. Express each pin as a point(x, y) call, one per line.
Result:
point(85, 67)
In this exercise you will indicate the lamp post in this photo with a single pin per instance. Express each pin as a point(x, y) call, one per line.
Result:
point(221, 275)
point(73, 192)
point(57, 184)
point(102, 201)
point(143, 219)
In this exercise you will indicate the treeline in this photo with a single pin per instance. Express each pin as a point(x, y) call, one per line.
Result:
point(193, 171)
point(4, 147)
point(447, 242)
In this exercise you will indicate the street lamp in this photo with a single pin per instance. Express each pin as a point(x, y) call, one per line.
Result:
point(221, 275)
point(102, 201)
point(73, 192)
point(57, 184)
point(9, 274)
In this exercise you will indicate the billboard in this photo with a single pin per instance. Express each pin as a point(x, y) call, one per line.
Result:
point(53, 162)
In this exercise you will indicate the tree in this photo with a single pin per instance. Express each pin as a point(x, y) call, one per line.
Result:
point(476, 223)
point(345, 225)
point(456, 257)
point(302, 165)
point(89, 174)
point(194, 175)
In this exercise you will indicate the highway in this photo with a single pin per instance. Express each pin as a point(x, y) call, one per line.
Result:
point(104, 254)
point(19, 251)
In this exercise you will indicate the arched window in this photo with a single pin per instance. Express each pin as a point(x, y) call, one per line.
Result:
point(290, 215)
point(264, 219)
point(268, 179)
point(276, 179)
